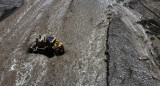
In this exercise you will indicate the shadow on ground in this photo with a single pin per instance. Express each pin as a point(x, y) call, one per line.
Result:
point(48, 53)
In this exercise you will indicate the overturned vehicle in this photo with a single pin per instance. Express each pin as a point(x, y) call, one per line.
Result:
point(48, 46)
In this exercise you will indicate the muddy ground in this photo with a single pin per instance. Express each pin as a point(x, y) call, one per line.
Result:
point(104, 44)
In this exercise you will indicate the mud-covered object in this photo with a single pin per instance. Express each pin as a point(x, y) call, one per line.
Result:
point(7, 7)
point(125, 69)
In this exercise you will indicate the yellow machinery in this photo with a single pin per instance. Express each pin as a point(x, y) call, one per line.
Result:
point(49, 46)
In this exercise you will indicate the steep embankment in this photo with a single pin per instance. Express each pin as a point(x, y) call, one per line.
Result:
point(131, 52)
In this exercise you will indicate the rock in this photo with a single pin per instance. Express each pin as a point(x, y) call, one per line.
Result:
point(8, 6)
point(125, 69)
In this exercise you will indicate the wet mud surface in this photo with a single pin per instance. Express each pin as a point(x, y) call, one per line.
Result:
point(104, 44)
point(84, 60)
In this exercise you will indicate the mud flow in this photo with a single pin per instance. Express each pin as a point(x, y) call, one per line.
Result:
point(104, 45)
